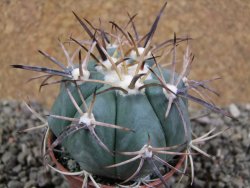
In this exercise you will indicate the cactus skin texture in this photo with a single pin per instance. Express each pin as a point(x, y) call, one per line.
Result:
point(120, 114)
point(144, 113)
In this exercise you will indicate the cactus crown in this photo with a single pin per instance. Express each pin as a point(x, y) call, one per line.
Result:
point(121, 114)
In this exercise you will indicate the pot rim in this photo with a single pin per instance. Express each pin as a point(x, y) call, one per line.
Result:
point(157, 182)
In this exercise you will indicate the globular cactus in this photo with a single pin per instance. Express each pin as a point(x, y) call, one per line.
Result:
point(120, 114)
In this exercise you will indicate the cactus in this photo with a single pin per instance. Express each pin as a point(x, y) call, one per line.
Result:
point(121, 114)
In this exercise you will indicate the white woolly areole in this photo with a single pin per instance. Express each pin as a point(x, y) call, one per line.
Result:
point(172, 88)
point(112, 77)
point(107, 64)
point(86, 120)
point(133, 54)
point(132, 69)
point(147, 153)
point(76, 74)
point(185, 81)
point(125, 83)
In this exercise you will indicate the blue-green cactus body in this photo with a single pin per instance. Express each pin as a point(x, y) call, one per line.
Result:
point(144, 113)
